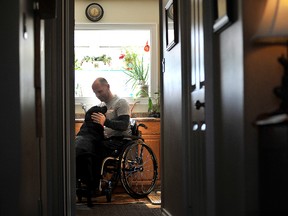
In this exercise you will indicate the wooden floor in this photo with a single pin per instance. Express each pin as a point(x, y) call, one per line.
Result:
point(121, 197)
point(119, 208)
point(122, 205)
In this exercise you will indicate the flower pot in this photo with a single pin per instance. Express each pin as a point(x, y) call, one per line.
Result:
point(142, 91)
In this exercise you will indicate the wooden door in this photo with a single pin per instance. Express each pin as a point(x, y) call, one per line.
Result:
point(197, 123)
point(183, 116)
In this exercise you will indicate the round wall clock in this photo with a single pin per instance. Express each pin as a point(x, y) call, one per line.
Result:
point(94, 12)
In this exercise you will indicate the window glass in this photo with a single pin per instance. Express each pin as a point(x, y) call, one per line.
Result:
point(101, 53)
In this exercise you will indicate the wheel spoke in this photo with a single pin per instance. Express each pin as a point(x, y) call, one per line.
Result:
point(139, 170)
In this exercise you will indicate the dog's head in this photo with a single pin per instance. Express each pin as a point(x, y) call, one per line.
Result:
point(95, 109)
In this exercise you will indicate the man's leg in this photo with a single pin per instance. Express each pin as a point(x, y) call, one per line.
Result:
point(101, 152)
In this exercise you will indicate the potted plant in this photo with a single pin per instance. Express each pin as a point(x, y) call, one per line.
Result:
point(154, 105)
point(137, 72)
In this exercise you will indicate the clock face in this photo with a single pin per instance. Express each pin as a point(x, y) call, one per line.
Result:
point(94, 12)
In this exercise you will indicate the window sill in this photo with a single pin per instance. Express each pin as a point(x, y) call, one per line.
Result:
point(137, 105)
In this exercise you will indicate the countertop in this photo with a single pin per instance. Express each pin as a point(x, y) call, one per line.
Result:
point(147, 119)
point(142, 119)
point(79, 117)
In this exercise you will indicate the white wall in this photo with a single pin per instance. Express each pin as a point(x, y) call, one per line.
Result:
point(120, 11)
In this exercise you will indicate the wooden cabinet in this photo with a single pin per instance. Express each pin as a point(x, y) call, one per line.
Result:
point(151, 136)
point(78, 124)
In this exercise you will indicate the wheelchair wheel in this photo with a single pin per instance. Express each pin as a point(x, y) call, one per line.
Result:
point(138, 169)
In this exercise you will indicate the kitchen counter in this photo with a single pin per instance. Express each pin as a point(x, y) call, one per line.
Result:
point(79, 118)
point(142, 119)
point(146, 119)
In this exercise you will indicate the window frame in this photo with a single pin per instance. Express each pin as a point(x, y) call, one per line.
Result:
point(154, 67)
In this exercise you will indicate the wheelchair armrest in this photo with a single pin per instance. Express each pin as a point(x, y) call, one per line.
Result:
point(135, 127)
point(142, 125)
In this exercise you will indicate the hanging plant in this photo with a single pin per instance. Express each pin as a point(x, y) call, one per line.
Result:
point(96, 59)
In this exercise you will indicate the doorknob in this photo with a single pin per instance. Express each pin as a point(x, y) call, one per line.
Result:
point(198, 104)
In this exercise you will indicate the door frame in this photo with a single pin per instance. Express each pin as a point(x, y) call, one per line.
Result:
point(62, 58)
point(59, 112)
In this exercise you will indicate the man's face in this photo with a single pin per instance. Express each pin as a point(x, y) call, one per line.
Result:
point(101, 91)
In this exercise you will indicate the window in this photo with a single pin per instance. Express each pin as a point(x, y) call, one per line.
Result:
point(98, 52)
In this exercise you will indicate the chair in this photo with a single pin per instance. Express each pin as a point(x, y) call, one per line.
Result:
point(135, 165)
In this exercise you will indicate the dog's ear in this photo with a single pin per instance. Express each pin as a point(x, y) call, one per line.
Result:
point(104, 109)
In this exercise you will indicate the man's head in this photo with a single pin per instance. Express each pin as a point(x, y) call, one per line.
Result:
point(101, 88)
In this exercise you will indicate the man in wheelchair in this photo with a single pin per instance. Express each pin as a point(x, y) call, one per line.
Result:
point(110, 119)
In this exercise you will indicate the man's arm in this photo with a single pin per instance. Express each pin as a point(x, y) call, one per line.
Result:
point(121, 123)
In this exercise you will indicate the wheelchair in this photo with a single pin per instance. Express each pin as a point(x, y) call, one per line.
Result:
point(134, 165)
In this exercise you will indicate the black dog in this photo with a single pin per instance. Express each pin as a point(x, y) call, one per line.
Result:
point(91, 128)
point(87, 160)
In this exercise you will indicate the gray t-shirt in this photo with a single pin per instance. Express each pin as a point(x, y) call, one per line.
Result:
point(115, 108)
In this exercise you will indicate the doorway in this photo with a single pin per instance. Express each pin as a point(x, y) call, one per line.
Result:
point(126, 13)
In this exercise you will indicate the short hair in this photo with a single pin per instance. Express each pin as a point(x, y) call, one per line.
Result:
point(102, 81)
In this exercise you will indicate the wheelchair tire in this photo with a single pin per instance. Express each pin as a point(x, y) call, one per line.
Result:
point(138, 169)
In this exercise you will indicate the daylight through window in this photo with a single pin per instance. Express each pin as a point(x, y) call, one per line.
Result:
point(109, 53)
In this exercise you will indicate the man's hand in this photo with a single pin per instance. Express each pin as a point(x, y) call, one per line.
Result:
point(98, 118)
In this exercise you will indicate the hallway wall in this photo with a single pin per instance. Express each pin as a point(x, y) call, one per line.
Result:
point(247, 75)
point(262, 74)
